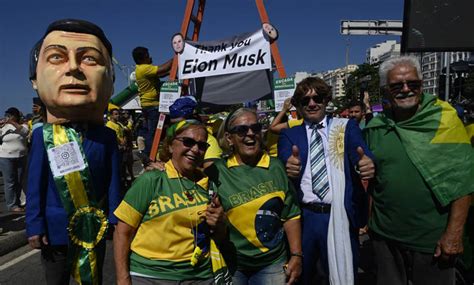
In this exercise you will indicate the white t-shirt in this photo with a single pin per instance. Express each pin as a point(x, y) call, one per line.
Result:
point(14, 142)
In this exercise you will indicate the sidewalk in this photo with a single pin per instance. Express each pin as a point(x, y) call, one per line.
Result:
point(12, 225)
point(12, 232)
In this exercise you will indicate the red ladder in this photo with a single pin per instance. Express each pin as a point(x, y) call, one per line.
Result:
point(196, 19)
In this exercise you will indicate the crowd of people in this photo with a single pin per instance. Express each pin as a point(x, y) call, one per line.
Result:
point(230, 200)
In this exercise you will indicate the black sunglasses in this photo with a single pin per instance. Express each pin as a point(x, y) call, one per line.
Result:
point(397, 87)
point(189, 142)
point(304, 101)
point(242, 130)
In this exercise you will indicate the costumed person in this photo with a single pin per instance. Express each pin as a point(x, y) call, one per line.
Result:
point(260, 204)
point(326, 158)
point(423, 184)
point(13, 150)
point(73, 171)
point(167, 218)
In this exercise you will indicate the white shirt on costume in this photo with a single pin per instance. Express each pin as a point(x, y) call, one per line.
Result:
point(306, 181)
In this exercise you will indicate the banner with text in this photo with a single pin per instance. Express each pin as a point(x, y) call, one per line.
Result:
point(246, 52)
point(283, 88)
point(169, 92)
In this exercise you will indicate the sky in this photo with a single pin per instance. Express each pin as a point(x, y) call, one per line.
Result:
point(309, 32)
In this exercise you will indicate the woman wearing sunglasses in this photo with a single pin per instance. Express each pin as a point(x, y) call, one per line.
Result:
point(259, 203)
point(166, 218)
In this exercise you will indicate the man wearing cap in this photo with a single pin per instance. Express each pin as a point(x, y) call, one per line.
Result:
point(148, 81)
point(74, 180)
point(183, 109)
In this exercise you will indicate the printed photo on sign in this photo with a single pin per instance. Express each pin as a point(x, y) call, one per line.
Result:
point(270, 31)
point(65, 159)
point(177, 41)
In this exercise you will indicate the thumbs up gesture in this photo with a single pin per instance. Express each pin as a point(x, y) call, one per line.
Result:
point(365, 165)
point(293, 164)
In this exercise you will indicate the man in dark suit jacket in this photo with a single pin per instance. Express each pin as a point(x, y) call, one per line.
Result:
point(327, 158)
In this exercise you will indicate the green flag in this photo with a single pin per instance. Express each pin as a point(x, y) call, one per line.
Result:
point(438, 145)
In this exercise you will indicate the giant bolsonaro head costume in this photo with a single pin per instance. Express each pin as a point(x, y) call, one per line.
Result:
point(71, 70)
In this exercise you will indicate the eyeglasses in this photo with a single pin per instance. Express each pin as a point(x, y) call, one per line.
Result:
point(242, 130)
point(397, 87)
point(189, 142)
point(316, 98)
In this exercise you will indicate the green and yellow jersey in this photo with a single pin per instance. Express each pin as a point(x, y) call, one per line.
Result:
point(257, 201)
point(168, 212)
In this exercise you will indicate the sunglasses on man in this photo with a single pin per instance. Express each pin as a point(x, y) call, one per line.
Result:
point(190, 143)
point(242, 130)
point(397, 87)
point(304, 101)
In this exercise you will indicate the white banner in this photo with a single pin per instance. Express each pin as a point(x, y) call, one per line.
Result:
point(169, 92)
point(247, 52)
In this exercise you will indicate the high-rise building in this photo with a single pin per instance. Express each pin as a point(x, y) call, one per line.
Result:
point(432, 65)
point(337, 78)
point(300, 75)
point(382, 51)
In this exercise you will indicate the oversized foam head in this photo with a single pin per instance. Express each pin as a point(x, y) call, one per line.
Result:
point(71, 70)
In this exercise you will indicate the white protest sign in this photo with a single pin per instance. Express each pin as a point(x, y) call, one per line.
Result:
point(169, 92)
point(247, 52)
point(283, 88)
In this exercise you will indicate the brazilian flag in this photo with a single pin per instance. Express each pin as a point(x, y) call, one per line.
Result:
point(438, 145)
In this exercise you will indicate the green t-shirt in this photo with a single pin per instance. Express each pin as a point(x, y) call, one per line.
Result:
point(404, 207)
point(168, 213)
point(257, 201)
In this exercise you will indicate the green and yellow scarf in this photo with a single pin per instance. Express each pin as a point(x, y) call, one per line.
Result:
point(87, 222)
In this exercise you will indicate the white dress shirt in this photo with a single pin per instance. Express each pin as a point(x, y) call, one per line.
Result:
point(306, 181)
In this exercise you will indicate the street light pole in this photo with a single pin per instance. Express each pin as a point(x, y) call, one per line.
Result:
point(447, 59)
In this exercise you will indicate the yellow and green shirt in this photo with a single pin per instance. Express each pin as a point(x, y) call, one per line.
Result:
point(257, 201)
point(214, 151)
point(148, 84)
point(295, 123)
point(168, 212)
point(272, 139)
point(117, 128)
